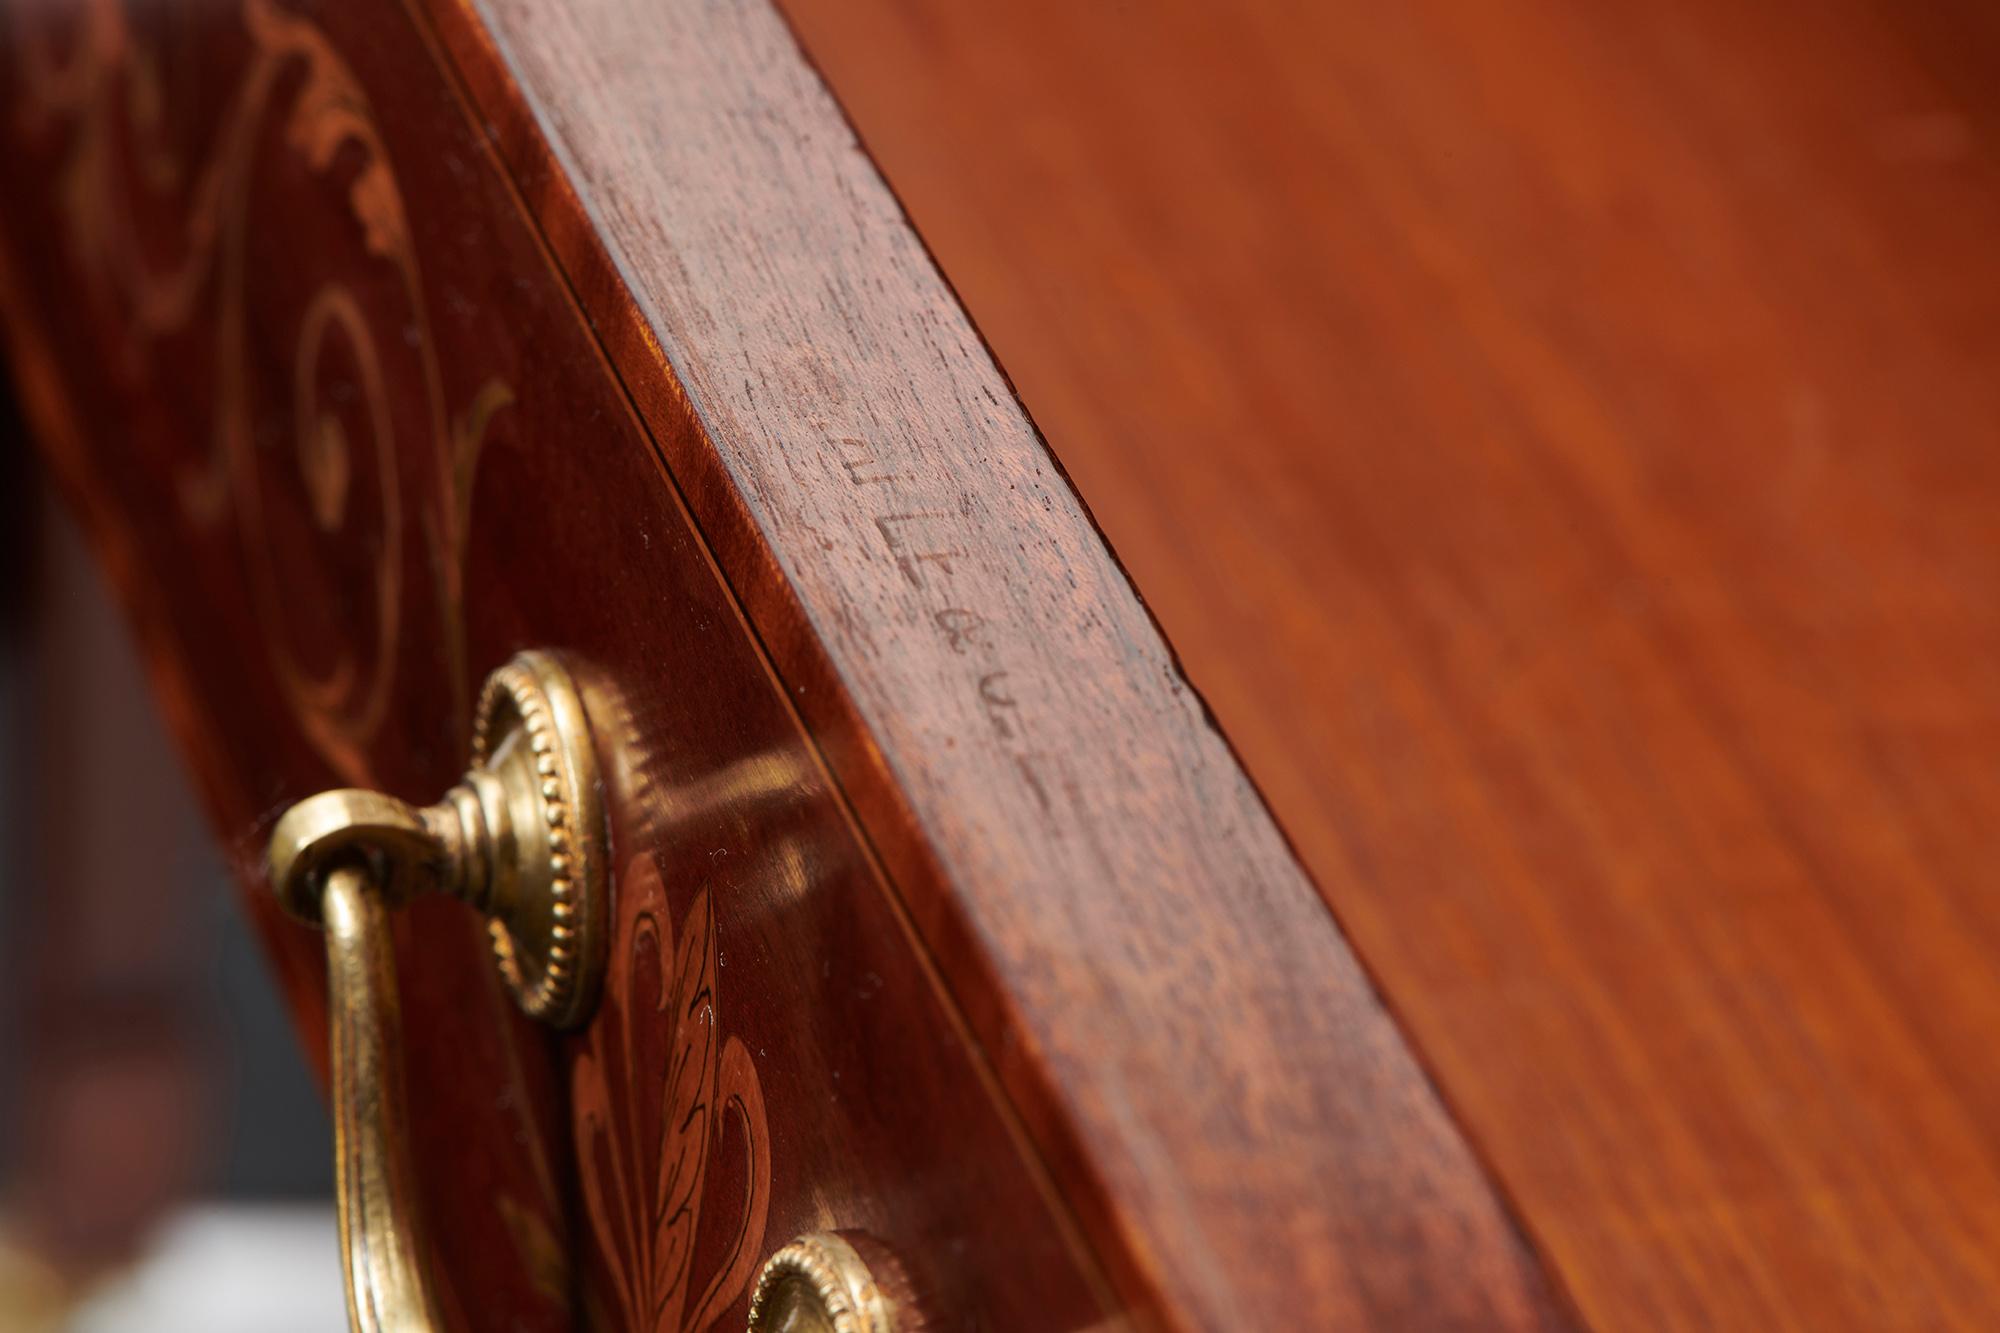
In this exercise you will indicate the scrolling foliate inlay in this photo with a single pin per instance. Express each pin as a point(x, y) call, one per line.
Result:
point(658, 1093)
point(362, 356)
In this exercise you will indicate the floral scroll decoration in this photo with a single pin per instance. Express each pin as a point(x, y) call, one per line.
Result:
point(297, 115)
point(653, 1095)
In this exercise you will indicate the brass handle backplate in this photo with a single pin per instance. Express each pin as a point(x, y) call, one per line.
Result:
point(820, 1284)
point(521, 839)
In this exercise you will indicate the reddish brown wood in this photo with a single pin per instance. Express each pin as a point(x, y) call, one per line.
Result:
point(1559, 439)
point(1193, 1049)
point(775, 1054)
point(1007, 966)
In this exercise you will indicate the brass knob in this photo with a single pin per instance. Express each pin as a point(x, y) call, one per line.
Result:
point(521, 839)
point(819, 1284)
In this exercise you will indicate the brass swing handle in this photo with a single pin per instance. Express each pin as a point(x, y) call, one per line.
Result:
point(387, 1290)
point(521, 840)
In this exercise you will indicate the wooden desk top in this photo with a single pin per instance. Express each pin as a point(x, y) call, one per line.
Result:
point(1562, 443)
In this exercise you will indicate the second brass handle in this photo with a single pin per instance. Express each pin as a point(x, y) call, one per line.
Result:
point(521, 840)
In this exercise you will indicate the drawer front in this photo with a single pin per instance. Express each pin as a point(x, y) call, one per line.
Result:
point(292, 341)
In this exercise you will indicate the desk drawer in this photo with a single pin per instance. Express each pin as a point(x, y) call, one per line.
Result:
point(296, 348)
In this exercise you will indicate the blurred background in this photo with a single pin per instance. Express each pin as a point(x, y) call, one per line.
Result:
point(165, 1157)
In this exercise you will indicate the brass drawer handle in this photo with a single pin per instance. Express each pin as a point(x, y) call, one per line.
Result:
point(521, 839)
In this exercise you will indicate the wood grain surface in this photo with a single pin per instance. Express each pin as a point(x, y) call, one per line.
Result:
point(292, 343)
point(1562, 442)
point(1166, 1002)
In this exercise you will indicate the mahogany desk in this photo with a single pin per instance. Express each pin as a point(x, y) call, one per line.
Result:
point(1339, 672)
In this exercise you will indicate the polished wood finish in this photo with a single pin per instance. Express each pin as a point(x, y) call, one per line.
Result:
point(344, 441)
point(946, 915)
point(1191, 1047)
point(1560, 441)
